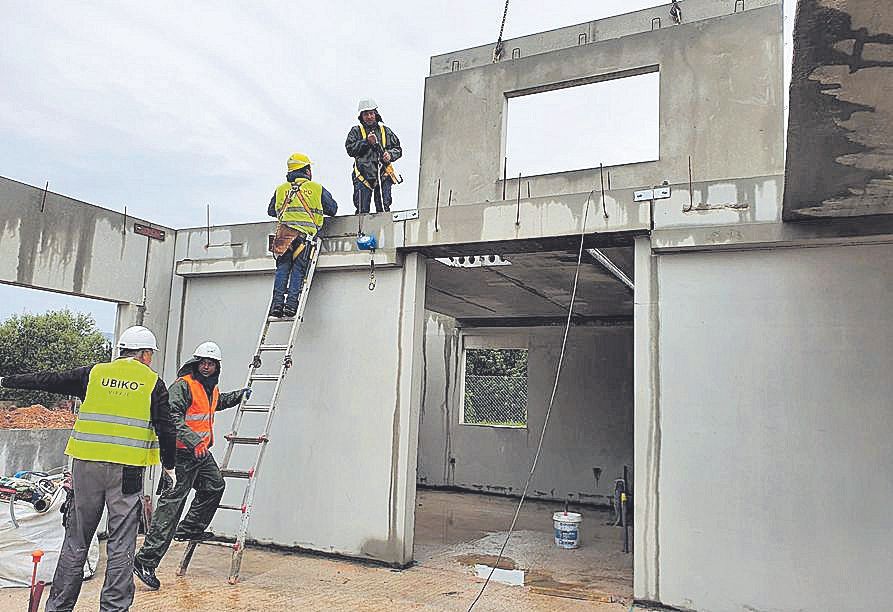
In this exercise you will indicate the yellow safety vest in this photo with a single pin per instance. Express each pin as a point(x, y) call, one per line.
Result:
point(299, 205)
point(384, 145)
point(114, 421)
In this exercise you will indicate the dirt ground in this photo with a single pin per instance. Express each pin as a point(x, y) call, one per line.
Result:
point(36, 417)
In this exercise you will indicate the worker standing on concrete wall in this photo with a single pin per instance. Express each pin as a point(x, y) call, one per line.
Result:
point(374, 147)
point(194, 398)
point(299, 205)
point(124, 424)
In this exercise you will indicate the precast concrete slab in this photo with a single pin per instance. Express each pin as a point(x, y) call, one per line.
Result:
point(531, 285)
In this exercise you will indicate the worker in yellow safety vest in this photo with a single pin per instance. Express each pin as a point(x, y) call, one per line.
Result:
point(299, 205)
point(124, 425)
point(373, 147)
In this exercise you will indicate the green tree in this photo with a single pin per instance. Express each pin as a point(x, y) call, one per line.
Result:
point(57, 340)
point(496, 362)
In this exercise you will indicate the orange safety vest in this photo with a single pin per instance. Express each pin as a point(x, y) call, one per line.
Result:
point(200, 414)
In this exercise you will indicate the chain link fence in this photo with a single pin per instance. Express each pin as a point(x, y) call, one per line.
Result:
point(496, 400)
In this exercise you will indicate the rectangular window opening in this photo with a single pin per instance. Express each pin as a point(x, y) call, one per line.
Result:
point(610, 122)
point(495, 387)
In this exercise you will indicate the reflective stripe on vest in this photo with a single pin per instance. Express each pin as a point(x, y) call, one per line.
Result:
point(200, 413)
point(114, 423)
point(306, 217)
point(384, 144)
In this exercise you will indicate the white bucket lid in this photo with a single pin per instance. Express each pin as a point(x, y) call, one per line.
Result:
point(567, 517)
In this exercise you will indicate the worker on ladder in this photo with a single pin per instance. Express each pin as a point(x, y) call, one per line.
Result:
point(374, 147)
point(194, 399)
point(124, 424)
point(299, 206)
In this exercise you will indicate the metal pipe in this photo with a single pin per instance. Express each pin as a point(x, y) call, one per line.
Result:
point(623, 522)
point(437, 207)
point(601, 172)
point(518, 213)
point(611, 267)
point(44, 200)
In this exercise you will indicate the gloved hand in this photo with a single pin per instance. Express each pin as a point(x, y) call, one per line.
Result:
point(201, 449)
point(1, 381)
point(246, 393)
point(167, 482)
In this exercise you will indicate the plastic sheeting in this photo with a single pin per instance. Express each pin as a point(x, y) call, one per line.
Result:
point(36, 531)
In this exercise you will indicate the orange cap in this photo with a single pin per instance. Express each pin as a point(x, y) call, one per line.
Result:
point(36, 555)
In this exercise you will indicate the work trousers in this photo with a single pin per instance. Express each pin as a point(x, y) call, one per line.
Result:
point(98, 485)
point(363, 194)
point(199, 473)
point(290, 275)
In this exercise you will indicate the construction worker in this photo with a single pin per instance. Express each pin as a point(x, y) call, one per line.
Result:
point(299, 205)
point(374, 147)
point(194, 398)
point(124, 424)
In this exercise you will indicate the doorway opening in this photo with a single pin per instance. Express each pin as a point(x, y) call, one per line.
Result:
point(493, 338)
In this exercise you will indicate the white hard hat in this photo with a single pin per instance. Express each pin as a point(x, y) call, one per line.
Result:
point(366, 104)
point(137, 337)
point(209, 350)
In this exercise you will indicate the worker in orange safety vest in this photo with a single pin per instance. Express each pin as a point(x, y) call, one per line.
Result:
point(194, 399)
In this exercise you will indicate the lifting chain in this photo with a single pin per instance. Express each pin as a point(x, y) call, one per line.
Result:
point(498, 50)
point(372, 271)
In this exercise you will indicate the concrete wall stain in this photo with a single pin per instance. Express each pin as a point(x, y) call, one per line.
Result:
point(817, 139)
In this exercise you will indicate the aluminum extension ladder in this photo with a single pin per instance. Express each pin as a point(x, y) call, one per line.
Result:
point(233, 439)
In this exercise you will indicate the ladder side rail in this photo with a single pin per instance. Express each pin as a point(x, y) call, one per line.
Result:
point(237, 417)
point(299, 318)
point(248, 496)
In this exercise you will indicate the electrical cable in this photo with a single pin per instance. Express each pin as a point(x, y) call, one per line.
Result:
point(539, 446)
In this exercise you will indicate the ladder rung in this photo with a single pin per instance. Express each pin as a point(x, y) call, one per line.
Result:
point(217, 543)
point(255, 408)
point(274, 347)
point(237, 473)
point(231, 507)
point(265, 377)
point(277, 319)
point(243, 440)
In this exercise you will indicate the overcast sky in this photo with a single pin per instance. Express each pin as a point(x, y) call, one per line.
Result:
point(168, 106)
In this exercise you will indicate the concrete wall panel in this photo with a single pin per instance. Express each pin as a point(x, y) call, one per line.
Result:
point(32, 449)
point(80, 249)
point(341, 450)
point(774, 429)
point(721, 104)
point(591, 423)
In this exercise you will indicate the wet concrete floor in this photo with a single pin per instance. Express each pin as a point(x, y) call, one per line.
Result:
point(469, 529)
point(289, 581)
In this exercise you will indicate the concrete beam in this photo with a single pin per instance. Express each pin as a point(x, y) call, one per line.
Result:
point(530, 219)
point(773, 235)
point(616, 26)
point(335, 261)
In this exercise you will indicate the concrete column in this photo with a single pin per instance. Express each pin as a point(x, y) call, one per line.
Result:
point(409, 398)
point(646, 376)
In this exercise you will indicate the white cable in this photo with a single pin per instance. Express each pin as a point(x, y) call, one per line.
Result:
point(539, 446)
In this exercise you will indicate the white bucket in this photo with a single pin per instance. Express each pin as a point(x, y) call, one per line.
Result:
point(567, 529)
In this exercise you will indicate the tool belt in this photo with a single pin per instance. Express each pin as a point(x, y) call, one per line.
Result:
point(285, 236)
